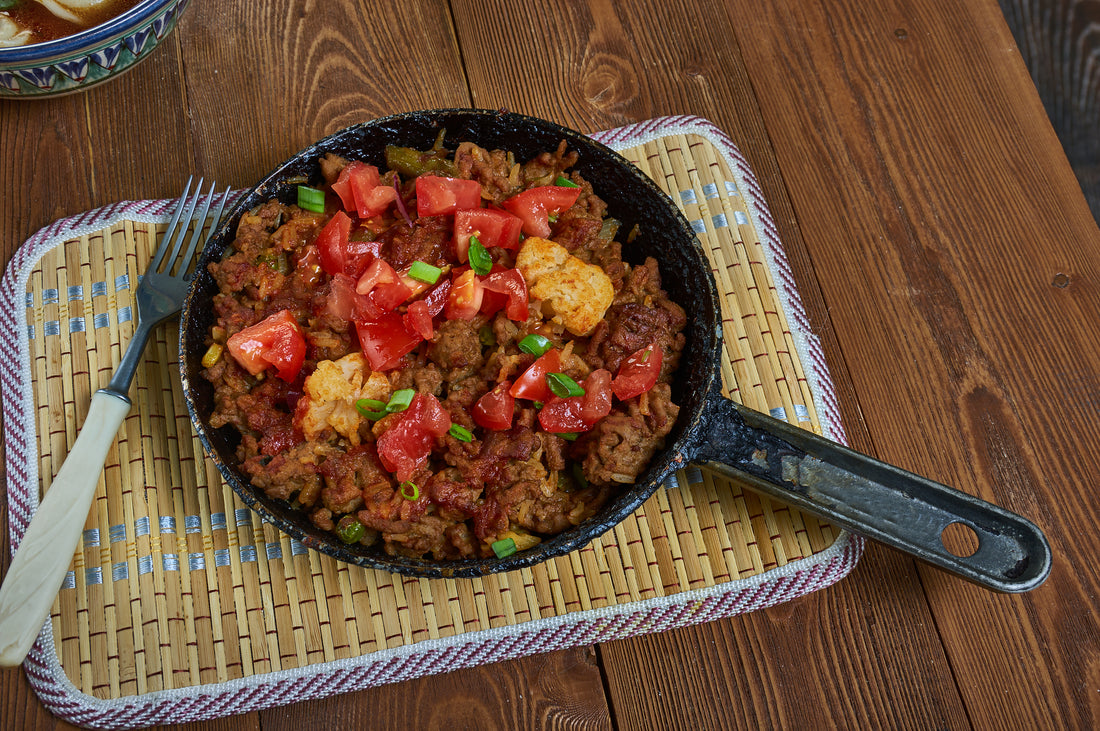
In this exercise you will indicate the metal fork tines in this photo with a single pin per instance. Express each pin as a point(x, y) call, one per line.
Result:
point(161, 292)
point(44, 555)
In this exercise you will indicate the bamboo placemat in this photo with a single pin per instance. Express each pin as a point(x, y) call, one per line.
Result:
point(181, 604)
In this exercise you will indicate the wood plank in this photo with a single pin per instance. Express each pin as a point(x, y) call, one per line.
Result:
point(556, 690)
point(1060, 44)
point(987, 383)
point(309, 70)
point(695, 66)
point(831, 659)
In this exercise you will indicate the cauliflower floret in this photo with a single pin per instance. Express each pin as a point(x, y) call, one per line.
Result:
point(572, 292)
point(331, 392)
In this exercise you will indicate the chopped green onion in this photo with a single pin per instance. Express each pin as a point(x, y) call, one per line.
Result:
point(486, 337)
point(535, 344)
point(400, 400)
point(460, 433)
point(562, 385)
point(480, 261)
point(311, 199)
point(424, 272)
point(410, 491)
point(563, 182)
point(370, 408)
point(351, 532)
point(504, 547)
point(569, 436)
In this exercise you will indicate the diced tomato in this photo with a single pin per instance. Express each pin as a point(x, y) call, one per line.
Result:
point(579, 413)
point(342, 251)
point(378, 272)
point(418, 319)
point(491, 302)
point(347, 304)
point(359, 253)
point(532, 384)
point(375, 201)
point(561, 415)
point(534, 206)
point(439, 196)
point(596, 401)
point(492, 227)
point(385, 341)
point(332, 242)
point(465, 297)
point(274, 341)
point(437, 297)
point(511, 283)
point(495, 409)
point(404, 447)
point(358, 171)
point(429, 414)
point(638, 373)
point(342, 297)
point(359, 188)
point(383, 285)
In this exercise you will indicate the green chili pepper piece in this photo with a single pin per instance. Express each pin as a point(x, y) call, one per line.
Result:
point(400, 400)
point(535, 344)
point(504, 547)
point(569, 436)
point(424, 272)
point(352, 532)
point(460, 433)
point(311, 199)
point(486, 337)
point(562, 385)
point(480, 260)
point(563, 182)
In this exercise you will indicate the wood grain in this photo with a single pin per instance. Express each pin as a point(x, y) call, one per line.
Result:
point(702, 72)
point(934, 241)
point(561, 690)
point(1060, 44)
point(937, 234)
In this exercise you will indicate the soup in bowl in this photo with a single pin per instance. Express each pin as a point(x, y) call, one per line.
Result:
point(53, 47)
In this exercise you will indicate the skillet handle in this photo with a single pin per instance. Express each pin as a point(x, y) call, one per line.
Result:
point(872, 498)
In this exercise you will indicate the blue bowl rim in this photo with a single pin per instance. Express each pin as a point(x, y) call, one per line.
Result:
point(86, 39)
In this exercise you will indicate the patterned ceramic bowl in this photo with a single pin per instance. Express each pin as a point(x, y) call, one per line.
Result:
point(90, 57)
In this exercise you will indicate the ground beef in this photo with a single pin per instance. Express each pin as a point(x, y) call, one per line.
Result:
point(618, 448)
point(473, 489)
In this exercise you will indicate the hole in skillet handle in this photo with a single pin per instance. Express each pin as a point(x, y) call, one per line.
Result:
point(632, 198)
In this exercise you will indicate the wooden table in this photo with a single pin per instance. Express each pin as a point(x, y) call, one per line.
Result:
point(938, 238)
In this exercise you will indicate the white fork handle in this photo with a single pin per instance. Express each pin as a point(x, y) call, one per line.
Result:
point(47, 549)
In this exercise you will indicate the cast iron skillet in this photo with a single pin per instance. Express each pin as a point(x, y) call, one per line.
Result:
point(820, 477)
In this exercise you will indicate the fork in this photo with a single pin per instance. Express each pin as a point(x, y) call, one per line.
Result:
point(47, 549)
